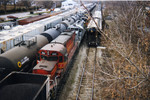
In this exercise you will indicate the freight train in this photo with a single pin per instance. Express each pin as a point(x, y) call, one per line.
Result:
point(93, 36)
point(11, 37)
point(52, 60)
point(21, 57)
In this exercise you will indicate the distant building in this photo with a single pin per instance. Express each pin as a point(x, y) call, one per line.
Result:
point(68, 4)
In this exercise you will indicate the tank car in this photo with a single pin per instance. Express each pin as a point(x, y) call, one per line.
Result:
point(79, 28)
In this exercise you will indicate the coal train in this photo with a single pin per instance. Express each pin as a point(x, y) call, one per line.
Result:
point(93, 36)
point(52, 61)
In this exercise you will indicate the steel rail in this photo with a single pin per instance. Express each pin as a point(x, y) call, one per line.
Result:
point(94, 75)
point(83, 70)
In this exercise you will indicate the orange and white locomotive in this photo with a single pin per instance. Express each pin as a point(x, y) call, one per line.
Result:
point(54, 57)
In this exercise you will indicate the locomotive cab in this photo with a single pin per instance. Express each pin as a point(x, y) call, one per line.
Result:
point(93, 37)
point(52, 60)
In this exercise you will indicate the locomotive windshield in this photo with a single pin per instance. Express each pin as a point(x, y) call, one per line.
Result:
point(52, 58)
point(44, 57)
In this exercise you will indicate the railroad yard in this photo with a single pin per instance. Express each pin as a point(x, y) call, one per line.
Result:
point(87, 51)
point(83, 78)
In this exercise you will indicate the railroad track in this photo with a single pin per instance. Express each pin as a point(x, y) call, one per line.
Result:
point(86, 85)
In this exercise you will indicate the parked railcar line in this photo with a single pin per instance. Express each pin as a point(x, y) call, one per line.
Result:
point(86, 86)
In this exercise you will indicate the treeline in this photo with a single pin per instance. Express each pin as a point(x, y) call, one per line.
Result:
point(125, 71)
point(10, 6)
point(18, 9)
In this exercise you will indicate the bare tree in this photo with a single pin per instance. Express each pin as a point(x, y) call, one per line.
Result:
point(1, 3)
point(14, 2)
point(27, 3)
point(124, 73)
point(47, 4)
point(5, 2)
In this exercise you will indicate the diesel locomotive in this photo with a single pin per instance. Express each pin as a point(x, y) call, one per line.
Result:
point(93, 36)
